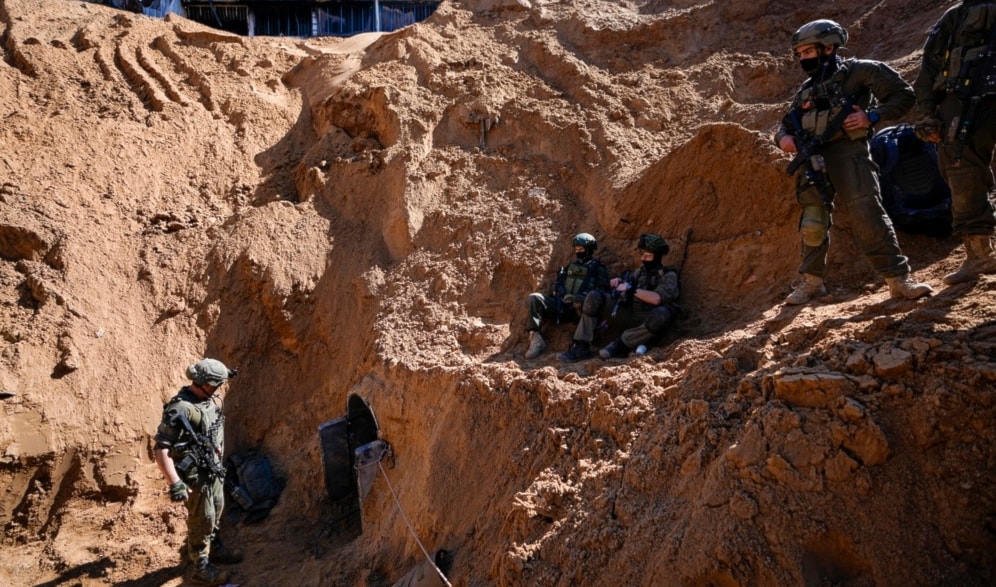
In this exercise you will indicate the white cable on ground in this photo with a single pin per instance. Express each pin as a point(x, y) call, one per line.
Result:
point(409, 524)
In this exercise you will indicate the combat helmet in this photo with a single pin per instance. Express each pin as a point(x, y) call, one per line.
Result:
point(820, 32)
point(587, 241)
point(208, 372)
point(653, 244)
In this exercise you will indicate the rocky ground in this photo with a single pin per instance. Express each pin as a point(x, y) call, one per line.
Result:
point(367, 216)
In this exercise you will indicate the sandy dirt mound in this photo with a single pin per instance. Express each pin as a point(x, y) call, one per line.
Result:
point(367, 216)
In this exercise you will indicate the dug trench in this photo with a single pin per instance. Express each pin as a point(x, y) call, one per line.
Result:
point(366, 217)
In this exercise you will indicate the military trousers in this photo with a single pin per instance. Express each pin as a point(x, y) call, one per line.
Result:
point(204, 507)
point(968, 168)
point(592, 313)
point(858, 201)
point(640, 324)
point(544, 308)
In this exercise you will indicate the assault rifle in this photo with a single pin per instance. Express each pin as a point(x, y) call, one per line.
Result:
point(201, 453)
point(975, 81)
point(623, 297)
point(809, 150)
point(559, 290)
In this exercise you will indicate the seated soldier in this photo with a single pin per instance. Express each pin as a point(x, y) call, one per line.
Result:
point(568, 301)
point(644, 306)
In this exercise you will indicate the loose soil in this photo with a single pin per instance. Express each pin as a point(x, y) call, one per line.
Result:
point(368, 215)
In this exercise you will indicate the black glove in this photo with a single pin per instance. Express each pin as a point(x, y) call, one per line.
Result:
point(178, 491)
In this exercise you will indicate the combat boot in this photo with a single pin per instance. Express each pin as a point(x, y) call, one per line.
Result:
point(579, 351)
point(979, 259)
point(810, 287)
point(536, 345)
point(222, 554)
point(616, 348)
point(903, 287)
point(207, 574)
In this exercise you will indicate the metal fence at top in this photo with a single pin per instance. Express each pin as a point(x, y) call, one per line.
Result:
point(350, 18)
point(274, 21)
point(294, 19)
point(234, 19)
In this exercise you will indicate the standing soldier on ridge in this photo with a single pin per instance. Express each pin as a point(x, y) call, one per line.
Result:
point(831, 117)
point(956, 97)
point(188, 450)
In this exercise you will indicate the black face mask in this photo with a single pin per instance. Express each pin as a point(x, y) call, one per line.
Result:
point(811, 65)
point(651, 265)
point(582, 256)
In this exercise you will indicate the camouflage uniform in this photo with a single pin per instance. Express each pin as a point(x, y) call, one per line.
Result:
point(642, 322)
point(581, 278)
point(962, 32)
point(848, 162)
point(207, 499)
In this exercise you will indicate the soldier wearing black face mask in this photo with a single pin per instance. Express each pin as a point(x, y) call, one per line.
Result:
point(571, 296)
point(645, 303)
point(873, 92)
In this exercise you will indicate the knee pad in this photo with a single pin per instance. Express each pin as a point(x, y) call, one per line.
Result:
point(660, 318)
point(593, 303)
point(814, 224)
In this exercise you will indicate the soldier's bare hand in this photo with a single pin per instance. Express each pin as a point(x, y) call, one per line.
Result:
point(787, 144)
point(928, 129)
point(857, 120)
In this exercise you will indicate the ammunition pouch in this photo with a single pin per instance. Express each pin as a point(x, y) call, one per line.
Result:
point(976, 73)
point(971, 60)
point(187, 468)
point(806, 192)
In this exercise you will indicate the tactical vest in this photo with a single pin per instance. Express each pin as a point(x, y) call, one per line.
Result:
point(650, 281)
point(967, 43)
point(205, 418)
point(576, 274)
point(819, 103)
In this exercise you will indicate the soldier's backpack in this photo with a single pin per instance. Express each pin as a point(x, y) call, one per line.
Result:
point(252, 475)
point(914, 193)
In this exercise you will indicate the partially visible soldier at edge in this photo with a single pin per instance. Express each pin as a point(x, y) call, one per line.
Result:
point(201, 490)
point(817, 106)
point(569, 299)
point(956, 100)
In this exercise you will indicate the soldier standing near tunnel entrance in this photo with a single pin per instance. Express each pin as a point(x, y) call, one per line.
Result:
point(956, 97)
point(839, 105)
point(188, 450)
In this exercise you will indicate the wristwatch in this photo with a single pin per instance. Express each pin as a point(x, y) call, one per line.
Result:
point(873, 117)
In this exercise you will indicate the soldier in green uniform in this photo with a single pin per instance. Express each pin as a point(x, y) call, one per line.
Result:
point(948, 94)
point(191, 479)
point(570, 299)
point(644, 305)
point(875, 92)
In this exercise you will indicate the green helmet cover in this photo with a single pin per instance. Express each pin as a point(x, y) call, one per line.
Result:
point(208, 372)
point(820, 32)
point(654, 244)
